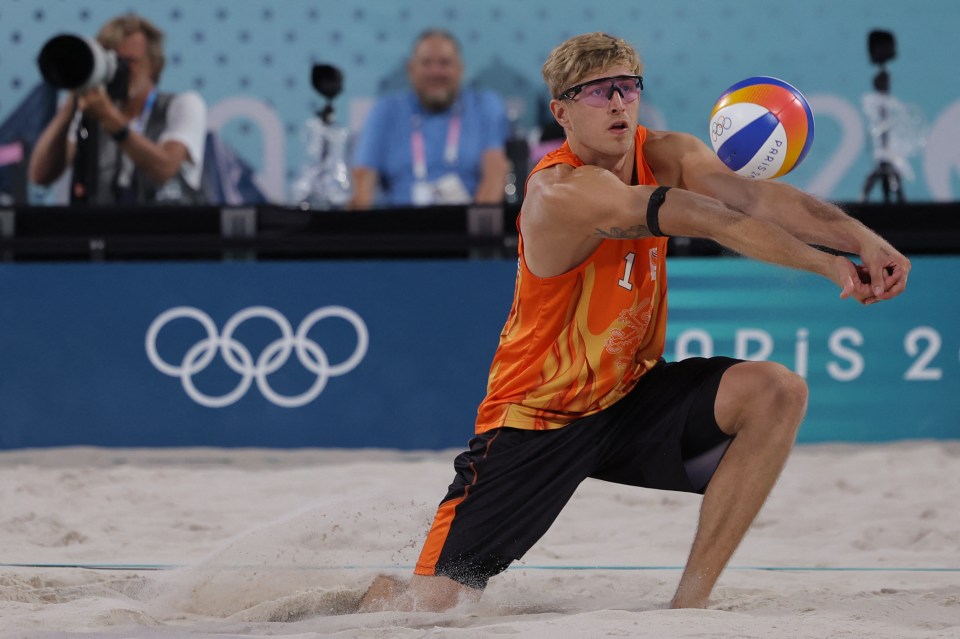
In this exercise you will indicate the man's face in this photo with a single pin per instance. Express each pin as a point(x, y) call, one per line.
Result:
point(133, 50)
point(607, 129)
point(435, 70)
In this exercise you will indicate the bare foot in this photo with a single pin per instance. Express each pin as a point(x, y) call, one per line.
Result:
point(383, 594)
point(422, 593)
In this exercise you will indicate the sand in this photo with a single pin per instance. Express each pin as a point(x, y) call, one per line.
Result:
point(856, 541)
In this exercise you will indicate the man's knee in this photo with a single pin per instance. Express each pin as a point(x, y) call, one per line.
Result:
point(784, 388)
point(767, 392)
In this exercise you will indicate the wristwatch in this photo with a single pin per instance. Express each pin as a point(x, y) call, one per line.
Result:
point(121, 134)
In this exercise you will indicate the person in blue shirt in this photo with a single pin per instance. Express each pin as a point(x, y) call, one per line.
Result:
point(438, 143)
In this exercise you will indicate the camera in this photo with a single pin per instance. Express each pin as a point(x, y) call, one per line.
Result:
point(328, 81)
point(882, 46)
point(77, 63)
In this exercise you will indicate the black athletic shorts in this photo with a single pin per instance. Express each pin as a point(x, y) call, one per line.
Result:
point(512, 483)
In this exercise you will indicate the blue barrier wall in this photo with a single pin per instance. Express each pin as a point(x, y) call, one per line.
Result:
point(395, 354)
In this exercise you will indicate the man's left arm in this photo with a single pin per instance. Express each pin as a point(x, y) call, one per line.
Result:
point(493, 161)
point(187, 126)
point(493, 177)
point(802, 215)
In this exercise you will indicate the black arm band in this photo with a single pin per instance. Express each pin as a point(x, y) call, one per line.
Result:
point(653, 210)
point(121, 134)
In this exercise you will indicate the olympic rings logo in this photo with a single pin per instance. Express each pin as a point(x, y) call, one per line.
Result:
point(271, 359)
point(718, 126)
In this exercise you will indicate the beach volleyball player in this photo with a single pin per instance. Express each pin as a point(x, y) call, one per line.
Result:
point(578, 387)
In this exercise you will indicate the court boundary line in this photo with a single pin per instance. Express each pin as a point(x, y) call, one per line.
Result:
point(536, 567)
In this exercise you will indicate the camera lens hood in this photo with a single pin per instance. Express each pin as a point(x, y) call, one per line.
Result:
point(76, 63)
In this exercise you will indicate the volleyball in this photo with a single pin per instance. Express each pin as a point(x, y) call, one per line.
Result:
point(761, 127)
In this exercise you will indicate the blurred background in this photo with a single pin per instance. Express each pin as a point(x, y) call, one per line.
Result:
point(251, 61)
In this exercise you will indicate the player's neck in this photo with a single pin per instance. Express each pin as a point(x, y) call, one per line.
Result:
point(621, 165)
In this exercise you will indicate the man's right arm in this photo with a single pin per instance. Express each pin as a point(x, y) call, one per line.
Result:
point(686, 213)
point(53, 152)
point(592, 202)
point(364, 187)
point(369, 154)
point(805, 217)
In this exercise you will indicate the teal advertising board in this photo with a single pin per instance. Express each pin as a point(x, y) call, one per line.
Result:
point(879, 372)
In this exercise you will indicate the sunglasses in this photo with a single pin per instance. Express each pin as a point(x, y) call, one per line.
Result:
point(598, 93)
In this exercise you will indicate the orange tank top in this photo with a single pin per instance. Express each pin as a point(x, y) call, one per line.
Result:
point(576, 343)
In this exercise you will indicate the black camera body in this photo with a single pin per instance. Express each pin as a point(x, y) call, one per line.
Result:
point(77, 63)
point(328, 81)
point(882, 46)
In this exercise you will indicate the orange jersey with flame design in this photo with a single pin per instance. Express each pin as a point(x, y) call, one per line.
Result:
point(576, 343)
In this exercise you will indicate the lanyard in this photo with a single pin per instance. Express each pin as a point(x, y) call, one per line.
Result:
point(141, 122)
point(451, 149)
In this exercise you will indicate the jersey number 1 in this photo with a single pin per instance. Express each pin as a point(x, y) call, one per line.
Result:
point(627, 271)
point(629, 259)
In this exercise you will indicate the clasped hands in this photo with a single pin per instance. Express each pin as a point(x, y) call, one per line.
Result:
point(881, 275)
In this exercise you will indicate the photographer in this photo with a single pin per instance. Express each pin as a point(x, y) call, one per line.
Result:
point(147, 147)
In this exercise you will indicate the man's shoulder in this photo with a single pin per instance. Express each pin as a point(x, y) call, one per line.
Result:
point(187, 100)
point(394, 99)
point(483, 98)
point(551, 174)
point(391, 109)
point(669, 139)
point(481, 93)
point(665, 151)
point(546, 179)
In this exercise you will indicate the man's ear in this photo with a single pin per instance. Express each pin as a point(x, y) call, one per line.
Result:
point(559, 110)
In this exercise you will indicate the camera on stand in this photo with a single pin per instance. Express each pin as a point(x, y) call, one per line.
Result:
point(882, 48)
point(324, 180)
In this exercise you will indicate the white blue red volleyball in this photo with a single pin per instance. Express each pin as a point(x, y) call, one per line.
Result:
point(761, 127)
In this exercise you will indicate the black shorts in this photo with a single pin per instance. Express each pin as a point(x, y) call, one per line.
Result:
point(512, 483)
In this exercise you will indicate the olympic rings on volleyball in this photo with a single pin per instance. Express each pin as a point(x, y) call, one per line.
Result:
point(719, 126)
point(241, 361)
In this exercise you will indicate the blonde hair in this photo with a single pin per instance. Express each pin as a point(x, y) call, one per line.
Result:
point(584, 54)
point(116, 29)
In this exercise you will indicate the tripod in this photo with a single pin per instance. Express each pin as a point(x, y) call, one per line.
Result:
point(884, 171)
point(889, 179)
